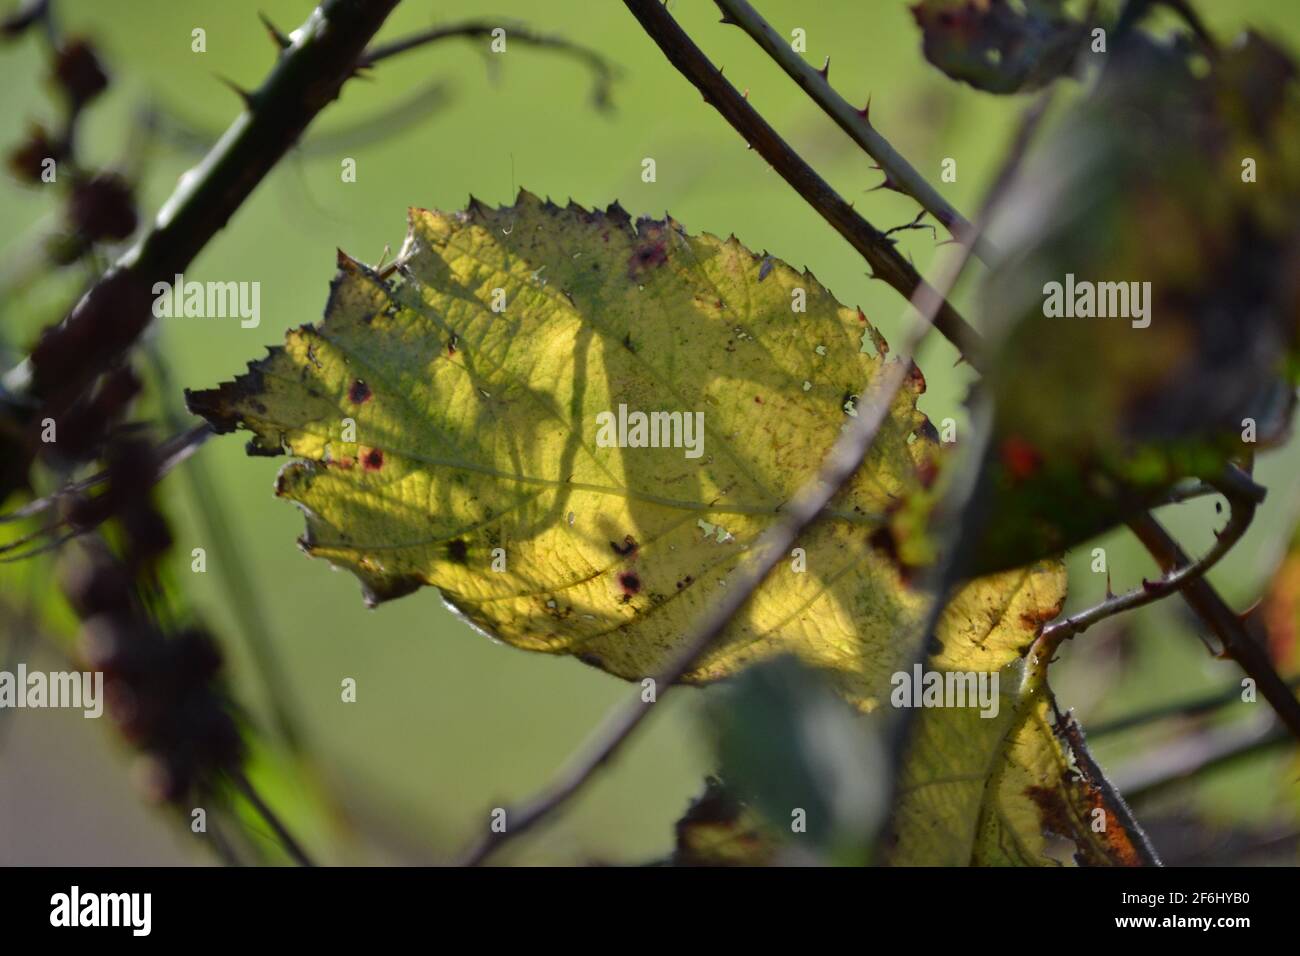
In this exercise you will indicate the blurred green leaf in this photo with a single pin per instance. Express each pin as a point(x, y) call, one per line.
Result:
point(793, 749)
point(1142, 198)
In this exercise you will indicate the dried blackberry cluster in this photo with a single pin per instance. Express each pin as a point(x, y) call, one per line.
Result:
point(162, 685)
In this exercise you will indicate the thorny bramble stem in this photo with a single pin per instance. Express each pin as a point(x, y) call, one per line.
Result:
point(879, 251)
point(899, 173)
point(1242, 513)
point(1223, 621)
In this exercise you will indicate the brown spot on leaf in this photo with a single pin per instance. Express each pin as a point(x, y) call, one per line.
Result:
point(883, 542)
point(630, 582)
point(1067, 809)
point(1035, 618)
point(627, 547)
point(373, 459)
point(1053, 812)
point(926, 472)
point(458, 551)
point(645, 257)
point(916, 379)
point(359, 392)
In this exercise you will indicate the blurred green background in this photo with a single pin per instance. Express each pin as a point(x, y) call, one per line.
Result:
point(448, 724)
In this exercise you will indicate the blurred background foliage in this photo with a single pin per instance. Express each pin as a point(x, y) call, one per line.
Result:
point(448, 724)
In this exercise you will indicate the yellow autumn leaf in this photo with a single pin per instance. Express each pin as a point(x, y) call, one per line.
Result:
point(574, 426)
point(1019, 789)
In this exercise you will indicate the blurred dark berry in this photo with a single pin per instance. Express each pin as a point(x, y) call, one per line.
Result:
point(132, 465)
point(78, 73)
point(146, 530)
point(107, 645)
point(155, 780)
point(198, 657)
point(27, 159)
point(97, 587)
point(84, 427)
point(103, 208)
point(69, 354)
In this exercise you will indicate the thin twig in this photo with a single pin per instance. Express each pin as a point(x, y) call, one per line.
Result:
point(418, 106)
point(1240, 517)
point(603, 71)
point(1182, 708)
point(223, 847)
point(885, 260)
point(960, 512)
point(291, 846)
point(169, 453)
point(1188, 491)
point(10, 546)
point(52, 545)
point(182, 135)
point(1111, 798)
point(1223, 621)
point(1177, 762)
point(899, 173)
